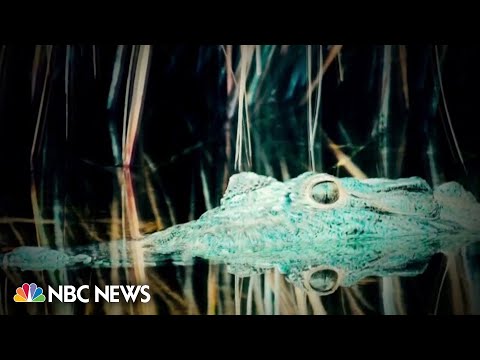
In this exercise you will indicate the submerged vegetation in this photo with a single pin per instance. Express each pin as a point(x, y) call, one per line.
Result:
point(101, 143)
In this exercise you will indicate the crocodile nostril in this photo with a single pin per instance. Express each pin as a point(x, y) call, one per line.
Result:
point(326, 192)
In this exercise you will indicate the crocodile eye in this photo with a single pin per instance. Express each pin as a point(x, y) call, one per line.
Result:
point(322, 280)
point(325, 192)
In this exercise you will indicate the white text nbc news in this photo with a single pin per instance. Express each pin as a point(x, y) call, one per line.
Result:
point(111, 293)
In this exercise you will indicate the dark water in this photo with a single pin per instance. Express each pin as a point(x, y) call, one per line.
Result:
point(86, 216)
point(73, 191)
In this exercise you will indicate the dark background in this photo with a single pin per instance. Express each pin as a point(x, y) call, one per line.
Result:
point(186, 101)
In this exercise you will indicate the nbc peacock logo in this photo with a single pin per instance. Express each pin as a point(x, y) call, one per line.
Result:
point(29, 293)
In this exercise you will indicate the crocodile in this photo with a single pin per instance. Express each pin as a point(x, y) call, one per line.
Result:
point(319, 230)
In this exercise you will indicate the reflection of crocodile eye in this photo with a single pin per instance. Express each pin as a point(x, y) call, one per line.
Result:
point(324, 281)
point(325, 192)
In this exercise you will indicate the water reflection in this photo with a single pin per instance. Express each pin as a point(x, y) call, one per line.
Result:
point(116, 206)
point(91, 204)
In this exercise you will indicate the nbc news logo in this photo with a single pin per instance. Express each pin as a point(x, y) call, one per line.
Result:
point(69, 293)
point(29, 293)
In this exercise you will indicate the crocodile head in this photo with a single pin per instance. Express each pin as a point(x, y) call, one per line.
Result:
point(323, 232)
